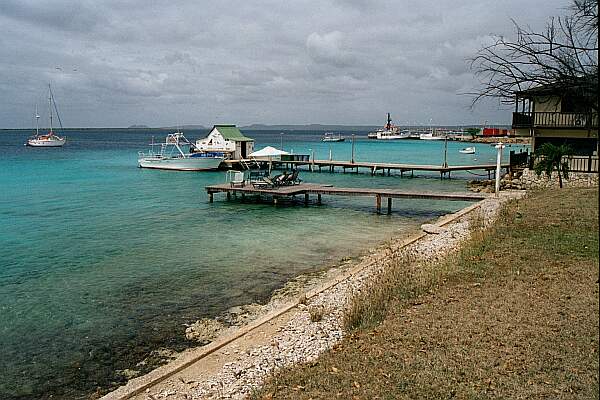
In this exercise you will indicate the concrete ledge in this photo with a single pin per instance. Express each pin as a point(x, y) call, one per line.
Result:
point(139, 385)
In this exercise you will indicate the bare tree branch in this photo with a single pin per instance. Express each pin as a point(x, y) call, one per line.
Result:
point(565, 54)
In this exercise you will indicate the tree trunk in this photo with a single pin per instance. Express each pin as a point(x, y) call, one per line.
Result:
point(559, 169)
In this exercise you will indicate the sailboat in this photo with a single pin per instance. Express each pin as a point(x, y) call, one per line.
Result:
point(49, 139)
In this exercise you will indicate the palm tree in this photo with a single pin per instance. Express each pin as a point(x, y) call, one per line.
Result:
point(550, 157)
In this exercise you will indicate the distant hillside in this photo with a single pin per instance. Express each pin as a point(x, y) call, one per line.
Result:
point(185, 127)
point(309, 127)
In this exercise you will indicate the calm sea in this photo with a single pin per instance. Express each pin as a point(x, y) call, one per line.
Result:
point(102, 262)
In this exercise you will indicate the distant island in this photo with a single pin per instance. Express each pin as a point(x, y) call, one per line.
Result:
point(310, 127)
point(138, 127)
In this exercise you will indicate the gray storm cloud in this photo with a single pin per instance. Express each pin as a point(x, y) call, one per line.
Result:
point(115, 63)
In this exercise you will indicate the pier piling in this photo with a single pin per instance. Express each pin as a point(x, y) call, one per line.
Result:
point(278, 193)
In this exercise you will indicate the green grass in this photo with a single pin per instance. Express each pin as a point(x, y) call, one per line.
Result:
point(513, 315)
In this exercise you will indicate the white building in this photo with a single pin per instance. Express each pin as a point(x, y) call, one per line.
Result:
point(227, 139)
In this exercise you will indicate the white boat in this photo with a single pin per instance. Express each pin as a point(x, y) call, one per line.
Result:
point(393, 135)
point(389, 132)
point(49, 139)
point(332, 137)
point(430, 136)
point(178, 153)
point(467, 150)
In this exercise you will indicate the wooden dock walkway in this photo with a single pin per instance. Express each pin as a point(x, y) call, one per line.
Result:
point(306, 189)
point(372, 167)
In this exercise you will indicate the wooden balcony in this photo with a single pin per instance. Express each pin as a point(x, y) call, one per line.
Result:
point(555, 120)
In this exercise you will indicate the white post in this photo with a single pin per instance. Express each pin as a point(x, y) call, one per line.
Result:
point(330, 158)
point(445, 151)
point(499, 146)
point(352, 160)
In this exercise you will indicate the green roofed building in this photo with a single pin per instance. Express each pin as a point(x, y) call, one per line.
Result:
point(227, 139)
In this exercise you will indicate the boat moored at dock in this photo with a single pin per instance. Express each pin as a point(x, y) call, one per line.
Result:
point(430, 136)
point(389, 132)
point(177, 153)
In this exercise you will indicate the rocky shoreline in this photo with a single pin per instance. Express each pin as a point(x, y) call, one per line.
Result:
point(317, 323)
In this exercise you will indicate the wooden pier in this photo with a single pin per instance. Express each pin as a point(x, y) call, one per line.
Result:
point(372, 167)
point(307, 189)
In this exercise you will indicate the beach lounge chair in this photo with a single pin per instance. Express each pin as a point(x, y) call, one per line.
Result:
point(255, 176)
point(264, 183)
point(291, 178)
point(279, 180)
point(294, 179)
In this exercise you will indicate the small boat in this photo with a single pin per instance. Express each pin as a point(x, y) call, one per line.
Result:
point(179, 154)
point(430, 136)
point(332, 137)
point(49, 139)
point(467, 150)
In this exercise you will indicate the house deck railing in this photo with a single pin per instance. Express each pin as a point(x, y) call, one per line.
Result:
point(575, 163)
point(555, 120)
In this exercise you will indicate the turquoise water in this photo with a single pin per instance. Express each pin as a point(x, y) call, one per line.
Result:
point(102, 262)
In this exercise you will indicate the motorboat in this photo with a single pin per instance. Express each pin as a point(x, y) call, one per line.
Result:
point(389, 132)
point(49, 139)
point(467, 150)
point(332, 137)
point(178, 153)
point(393, 135)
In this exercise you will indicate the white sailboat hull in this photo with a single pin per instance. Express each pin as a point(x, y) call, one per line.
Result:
point(46, 142)
point(181, 164)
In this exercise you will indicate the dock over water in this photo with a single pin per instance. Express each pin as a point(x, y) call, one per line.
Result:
point(371, 167)
point(307, 189)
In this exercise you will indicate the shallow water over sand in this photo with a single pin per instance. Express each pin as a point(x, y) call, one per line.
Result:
point(101, 262)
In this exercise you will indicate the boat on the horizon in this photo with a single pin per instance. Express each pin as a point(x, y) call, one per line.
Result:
point(49, 139)
point(332, 137)
point(389, 132)
point(179, 154)
point(467, 150)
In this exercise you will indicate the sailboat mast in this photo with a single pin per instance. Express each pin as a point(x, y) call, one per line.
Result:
point(50, 105)
point(37, 121)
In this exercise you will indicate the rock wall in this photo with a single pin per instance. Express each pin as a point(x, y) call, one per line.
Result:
point(530, 180)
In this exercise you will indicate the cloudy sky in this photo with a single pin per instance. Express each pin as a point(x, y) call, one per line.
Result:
point(115, 63)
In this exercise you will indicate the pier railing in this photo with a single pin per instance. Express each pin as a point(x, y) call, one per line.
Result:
point(575, 163)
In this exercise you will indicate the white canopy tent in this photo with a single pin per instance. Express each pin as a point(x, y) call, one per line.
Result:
point(268, 153)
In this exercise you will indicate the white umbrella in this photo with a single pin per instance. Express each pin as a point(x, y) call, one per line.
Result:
point(268, 152)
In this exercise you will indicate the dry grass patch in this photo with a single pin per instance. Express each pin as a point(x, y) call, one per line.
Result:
point(514, 315)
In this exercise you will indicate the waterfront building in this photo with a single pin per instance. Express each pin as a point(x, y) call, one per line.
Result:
point(227, 139)
point(559, 114)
